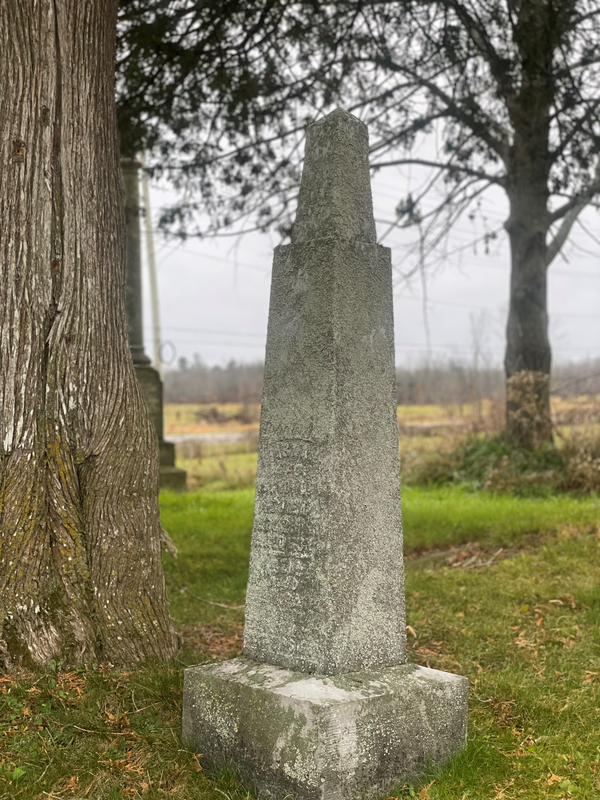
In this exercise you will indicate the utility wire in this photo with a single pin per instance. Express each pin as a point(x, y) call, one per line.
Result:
point(469, 306)
point(209, 331)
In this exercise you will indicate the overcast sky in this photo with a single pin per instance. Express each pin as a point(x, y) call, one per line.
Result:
point(214, 293)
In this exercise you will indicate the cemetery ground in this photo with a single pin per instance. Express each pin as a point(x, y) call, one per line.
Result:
point(502, 588)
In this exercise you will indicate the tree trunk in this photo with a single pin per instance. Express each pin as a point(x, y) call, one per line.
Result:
point(528, 356)
point(80, 568)
point(528, 359)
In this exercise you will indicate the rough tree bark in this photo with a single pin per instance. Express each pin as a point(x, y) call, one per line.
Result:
point(528, 355)
point(80, 570)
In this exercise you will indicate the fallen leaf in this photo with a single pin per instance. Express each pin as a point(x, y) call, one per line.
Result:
point(412, 631)
point(521, 640)
point(552, 778)
point(501, 792)
point(196, 765)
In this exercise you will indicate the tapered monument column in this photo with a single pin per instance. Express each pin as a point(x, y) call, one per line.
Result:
point(323, 706)
point(148, 378)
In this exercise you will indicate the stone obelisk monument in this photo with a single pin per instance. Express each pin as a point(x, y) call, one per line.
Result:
point(323, 705)
point(148, 378)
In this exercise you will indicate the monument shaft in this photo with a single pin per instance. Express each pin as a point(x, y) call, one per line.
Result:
point(325, 591)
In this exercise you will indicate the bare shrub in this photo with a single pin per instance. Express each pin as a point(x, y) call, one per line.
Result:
point(189, 448)
point(527, 393)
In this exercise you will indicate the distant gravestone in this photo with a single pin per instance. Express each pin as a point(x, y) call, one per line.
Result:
point(170, 476)
point(323, 705)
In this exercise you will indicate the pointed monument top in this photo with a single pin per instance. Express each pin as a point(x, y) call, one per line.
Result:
point(335, 192)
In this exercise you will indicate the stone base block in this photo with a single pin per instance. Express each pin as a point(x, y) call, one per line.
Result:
point(166, 453)
point(171, 477)
point(308, 737)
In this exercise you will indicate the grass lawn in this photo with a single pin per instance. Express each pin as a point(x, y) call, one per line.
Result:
point(522, 624)
point(224, 466)
point(434, 517)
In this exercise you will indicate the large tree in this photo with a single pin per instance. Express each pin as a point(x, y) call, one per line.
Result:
point(80, 567)
point(511, 88)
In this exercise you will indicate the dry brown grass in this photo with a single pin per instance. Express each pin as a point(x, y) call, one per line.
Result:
point(182, 418)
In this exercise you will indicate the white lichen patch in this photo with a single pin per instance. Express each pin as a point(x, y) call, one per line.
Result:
point(318, 690)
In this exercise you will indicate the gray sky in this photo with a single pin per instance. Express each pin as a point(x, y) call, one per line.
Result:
point(214, 293)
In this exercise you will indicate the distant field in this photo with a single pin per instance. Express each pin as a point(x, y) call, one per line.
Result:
point(205, 417)
point(423, 430)
point(200, 418)
point(182, 418)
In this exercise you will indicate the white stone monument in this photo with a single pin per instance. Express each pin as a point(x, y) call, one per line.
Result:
point(323, 705)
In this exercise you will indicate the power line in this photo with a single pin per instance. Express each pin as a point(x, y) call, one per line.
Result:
point(563, 273)
point(257, 345)
point(408, 346)
point(402, 245)
point(481, 265)
point(209, 257)
point(469, 306)
point(209, 331)
point(445, 303)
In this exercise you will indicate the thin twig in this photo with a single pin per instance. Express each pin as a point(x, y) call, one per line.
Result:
point(493, 558)
point(203, 600)
point(107, 733)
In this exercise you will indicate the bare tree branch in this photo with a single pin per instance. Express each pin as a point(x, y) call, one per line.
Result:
point(569, 217)
point(500, 180)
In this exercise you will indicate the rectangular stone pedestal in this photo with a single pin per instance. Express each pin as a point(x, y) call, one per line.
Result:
point(171, 477)
point(308, 737)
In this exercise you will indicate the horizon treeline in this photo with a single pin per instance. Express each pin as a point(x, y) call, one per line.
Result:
point(439, 382)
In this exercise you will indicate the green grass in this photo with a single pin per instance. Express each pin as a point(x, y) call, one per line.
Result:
point(525, 631)
point(223, 468)
point(212, 532)
point(450, 515)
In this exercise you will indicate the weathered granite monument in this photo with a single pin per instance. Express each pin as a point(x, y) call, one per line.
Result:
point(148, 378)
point(323, 705)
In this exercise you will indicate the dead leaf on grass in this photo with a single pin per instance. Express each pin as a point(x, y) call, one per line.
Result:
point(212, 641)
point(569, 532)
point(196, 765)
point(522, 641)
point(64, 788)
point(503, 711)
point(501, 792)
